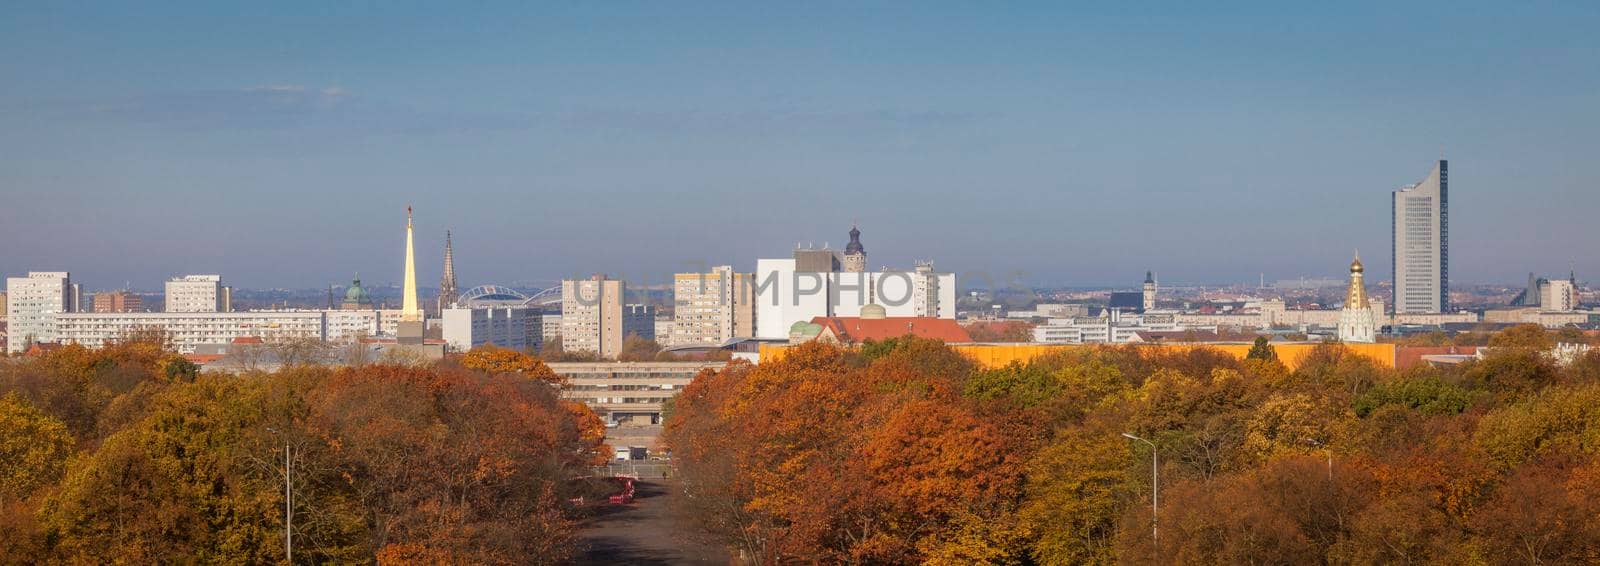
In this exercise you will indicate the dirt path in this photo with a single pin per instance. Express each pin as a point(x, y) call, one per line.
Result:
point(646, 532)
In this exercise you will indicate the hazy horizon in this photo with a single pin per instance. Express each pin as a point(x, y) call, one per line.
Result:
point(279, 145)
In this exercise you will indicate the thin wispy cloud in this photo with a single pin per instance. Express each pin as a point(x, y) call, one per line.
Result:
point(268, 106)
point(283, 106)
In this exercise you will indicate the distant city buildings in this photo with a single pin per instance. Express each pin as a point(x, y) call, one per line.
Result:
point(811, 285)
point(1050, 310)
point(117, 301)
point(32, 303)
point(711, 308)
point(592, 315)
point(197, 293)
point(1535, 315)
point(1553, 295)
point(1421, 244)
point(1113, 326)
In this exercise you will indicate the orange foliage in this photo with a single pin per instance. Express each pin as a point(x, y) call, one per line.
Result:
point(494, 359)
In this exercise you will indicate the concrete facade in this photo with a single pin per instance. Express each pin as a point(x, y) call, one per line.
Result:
point(711, 308)
point(1421, 244)
point(32, 304)
point(194, 293)
point(592, 315)
point(117, 301)
point(188, 330)
point(506, 327)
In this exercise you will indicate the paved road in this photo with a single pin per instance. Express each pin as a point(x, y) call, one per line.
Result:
point(647, 532)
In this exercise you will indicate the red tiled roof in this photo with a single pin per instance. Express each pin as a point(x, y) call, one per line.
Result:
point(248, 340)
point(203, 359)
point(855, 329)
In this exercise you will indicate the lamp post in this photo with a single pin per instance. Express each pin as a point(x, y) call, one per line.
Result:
point(1155, 488)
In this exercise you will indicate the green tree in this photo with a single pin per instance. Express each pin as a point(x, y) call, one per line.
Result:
point(1427, 394)
point(1262, 350)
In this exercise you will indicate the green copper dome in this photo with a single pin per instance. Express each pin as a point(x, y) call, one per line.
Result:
point(356, 295)
point(803, 329)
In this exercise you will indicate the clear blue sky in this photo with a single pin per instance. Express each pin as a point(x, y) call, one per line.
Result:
point(278, 143)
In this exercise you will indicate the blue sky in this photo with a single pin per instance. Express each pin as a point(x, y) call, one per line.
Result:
point(279, 143)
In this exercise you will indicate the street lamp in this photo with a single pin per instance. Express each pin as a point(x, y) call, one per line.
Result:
point(288, 502)
point(1155, 488)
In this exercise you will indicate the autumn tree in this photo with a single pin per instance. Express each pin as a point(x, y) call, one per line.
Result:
point(34, 448)
point(494, 359)
point(1005, 331)
point(638, 349)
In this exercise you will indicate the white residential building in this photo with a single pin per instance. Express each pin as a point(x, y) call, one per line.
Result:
point(195, 293)
point(506, 327)
point(1558, 295)
point(32, 303)
point(551, 323)
point(345, 325)
point(710, 308)
point(592, 315)
point(188, 330)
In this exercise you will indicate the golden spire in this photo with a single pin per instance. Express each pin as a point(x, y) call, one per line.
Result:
point(408, 302)
point(1356, 297)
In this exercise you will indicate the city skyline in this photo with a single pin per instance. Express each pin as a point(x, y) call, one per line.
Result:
point(1079, 146)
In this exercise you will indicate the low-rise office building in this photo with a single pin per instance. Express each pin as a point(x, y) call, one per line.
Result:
point(1112, 327)
point(1539, 316)
point(629, 396)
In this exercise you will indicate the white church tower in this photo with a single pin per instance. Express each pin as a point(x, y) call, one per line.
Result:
point(1356, 323)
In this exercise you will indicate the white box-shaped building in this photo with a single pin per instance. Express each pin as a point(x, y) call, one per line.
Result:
point(506, 327)
point(785, 296)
